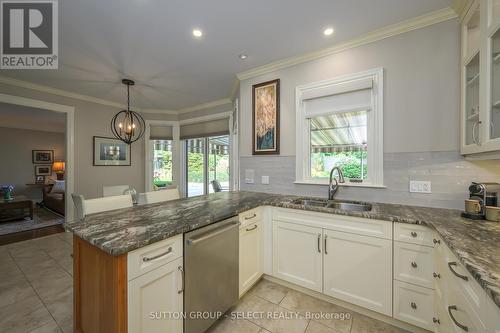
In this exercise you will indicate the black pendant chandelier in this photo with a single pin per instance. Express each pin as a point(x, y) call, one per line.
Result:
point(127, 125)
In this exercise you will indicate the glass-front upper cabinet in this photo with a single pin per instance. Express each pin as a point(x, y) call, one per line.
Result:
point(471, 69)
point(480, 105)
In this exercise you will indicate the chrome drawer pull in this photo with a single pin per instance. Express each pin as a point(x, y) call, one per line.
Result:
point(436, 275)
point(454, 263)
point(436, 241)
point(436, 321)
point(250, 217)
point(463, 327)
point(413, 234)
point(250, 229)
point(158, 256)
point(414, 264)
point(413, 305)
point(319, 243)
point(325, 244)
point(182, 279)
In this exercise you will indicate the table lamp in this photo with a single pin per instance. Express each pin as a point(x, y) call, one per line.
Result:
point(58, 167)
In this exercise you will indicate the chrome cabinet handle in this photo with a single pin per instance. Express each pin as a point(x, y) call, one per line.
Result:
point(319, 243)
point(250, 229)
point(325, 245)
point(413, 234)
point(250, 217)
point(436, 275)
point(414, 264)
point(454, 263)
point(158, 256)
point(182, 279)
point(436, 241)
point(436, 321)
point(413, 305)
point(463, 327)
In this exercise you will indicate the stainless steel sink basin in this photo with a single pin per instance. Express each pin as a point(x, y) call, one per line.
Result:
point(335, 204)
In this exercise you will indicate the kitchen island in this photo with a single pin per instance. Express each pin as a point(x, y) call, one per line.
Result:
point(102, 242)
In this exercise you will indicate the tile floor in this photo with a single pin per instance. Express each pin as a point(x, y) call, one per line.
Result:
point(36, 295)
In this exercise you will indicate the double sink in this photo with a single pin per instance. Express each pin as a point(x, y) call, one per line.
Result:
point(356, 206)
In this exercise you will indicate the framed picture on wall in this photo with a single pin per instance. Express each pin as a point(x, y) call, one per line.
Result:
point(111, 152)
point(43, 170)
point(266, 118)
point(43, 156)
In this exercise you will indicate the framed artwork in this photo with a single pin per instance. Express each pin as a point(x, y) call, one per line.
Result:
point(43, 170)
point(43, 156)
point(39, 179)
point(111, 152)
point(266, 118)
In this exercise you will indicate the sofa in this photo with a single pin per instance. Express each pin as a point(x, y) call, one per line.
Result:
point(53, 201)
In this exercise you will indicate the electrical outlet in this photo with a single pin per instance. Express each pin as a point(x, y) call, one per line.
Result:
point(420, 186)
point(249, 176)
point(265, 180)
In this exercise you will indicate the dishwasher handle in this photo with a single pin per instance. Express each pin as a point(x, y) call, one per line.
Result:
point(213, 233)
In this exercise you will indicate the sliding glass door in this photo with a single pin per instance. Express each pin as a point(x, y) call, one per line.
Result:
point(207, 165)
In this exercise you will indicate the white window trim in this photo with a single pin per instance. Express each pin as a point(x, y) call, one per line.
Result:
point(375, 130)
point(148, 147)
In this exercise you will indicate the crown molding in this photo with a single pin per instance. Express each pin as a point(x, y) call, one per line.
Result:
point(234, 89)
point(419, 22)
point(207, 105)
point(461, 7)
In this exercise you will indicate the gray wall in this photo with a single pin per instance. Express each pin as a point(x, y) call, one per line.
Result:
point(94, 119)
point(421, 119)
point(16, 166)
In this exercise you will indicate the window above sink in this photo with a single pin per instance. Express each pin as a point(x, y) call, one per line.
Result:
point(340, 124)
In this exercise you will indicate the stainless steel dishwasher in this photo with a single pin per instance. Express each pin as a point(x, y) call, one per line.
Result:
point(211, 263)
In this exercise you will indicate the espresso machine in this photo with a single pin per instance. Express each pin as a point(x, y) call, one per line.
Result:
point(486, 194)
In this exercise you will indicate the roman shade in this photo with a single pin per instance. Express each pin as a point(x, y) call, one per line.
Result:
point(339, 132)
point(205, 129)
point(345, 96)
point(158, 132)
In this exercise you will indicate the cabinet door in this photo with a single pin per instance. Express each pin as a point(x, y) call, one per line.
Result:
point(250, 255)
point(358, 270)
point(155, 300)
point(297, 254)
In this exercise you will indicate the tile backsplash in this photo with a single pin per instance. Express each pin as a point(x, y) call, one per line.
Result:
point(449, 173)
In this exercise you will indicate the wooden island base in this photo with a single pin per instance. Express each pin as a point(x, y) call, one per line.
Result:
point(100, 290)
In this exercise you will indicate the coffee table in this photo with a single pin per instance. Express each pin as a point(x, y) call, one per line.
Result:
point(15, 209)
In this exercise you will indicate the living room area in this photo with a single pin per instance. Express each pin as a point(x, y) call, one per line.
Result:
point(32, 172)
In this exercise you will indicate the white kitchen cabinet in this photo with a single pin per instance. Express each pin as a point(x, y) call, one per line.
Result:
point(250, 255)
point(297, 254)
point(414, 264)
point(414, 304)
point(357, 269)
point(155, 298)
point(480, 79)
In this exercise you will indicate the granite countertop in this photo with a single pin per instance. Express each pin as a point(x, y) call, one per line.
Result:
point(475, 243)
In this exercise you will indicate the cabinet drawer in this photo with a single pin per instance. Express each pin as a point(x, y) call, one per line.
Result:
point(350, 224)
point(461, 314)
point(454, 274)
point(152, 256)
point(414, 233)
point(250, 216)
point(414, 304)
point(414, 264)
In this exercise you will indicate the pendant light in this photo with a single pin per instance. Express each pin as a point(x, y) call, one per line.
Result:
point(127, 125)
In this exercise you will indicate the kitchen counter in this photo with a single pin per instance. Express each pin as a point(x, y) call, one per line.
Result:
point(475, 243)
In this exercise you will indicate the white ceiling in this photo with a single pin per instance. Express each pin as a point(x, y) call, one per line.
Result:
point(151, 42)
point(23, 117)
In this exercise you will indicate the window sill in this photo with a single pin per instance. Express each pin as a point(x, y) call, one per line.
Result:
point(346, 184)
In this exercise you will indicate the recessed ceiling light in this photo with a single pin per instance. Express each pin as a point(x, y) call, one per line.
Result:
point(197, 33)
point(242, 56)
point(328, 31)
